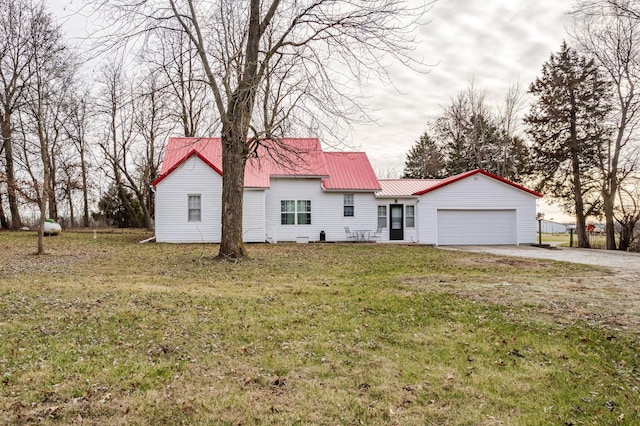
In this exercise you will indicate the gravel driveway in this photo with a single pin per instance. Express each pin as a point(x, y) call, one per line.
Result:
point(617, 261)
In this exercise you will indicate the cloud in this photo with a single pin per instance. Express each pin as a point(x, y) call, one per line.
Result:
point(494, 42)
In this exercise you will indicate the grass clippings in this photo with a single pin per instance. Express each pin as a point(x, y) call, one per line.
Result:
point(107, 331)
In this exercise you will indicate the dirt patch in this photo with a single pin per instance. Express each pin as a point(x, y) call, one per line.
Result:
point(480, 261)
point(608, 297)
point(608, 301)
point(20, 260)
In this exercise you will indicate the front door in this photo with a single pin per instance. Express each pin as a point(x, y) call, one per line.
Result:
point(396, 219)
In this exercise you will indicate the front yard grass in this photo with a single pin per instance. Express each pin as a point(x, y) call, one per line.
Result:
point(108, 331)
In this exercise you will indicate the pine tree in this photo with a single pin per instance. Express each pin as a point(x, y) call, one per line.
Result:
point(572, 99)
point(425, 160)
point(472, 135)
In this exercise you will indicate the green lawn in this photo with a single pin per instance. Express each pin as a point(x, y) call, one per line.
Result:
point(107, 331)
point(597, 241)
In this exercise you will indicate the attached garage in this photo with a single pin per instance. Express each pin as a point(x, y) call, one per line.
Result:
point(472, 208)
point(476, 227)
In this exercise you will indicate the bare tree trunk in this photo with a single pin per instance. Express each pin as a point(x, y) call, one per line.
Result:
point(16, 221)
point(233, 163)
point(4, 224)
point(72, 218)
point(53, 202)
point(626, 234)
point(43, 212)
point(581, 223)
point(85, 191)
point(608, 199)
point(44, 153)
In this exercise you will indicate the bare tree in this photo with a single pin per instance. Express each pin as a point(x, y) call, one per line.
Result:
point(16, 54)
point(609, 33)
point(627, 7)
point(280, 57)
point(150, 104)
point(471, 134)
point(70, 181)
point(115, 106)
point(44, 98)
point(627, 213)
point(75, 126)
point(178, 64)
point(513, 153)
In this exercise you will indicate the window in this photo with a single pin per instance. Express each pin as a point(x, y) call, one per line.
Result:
point(410, 216)
point(382, 216)
point(288, 212)
point(194, 208)
point(348, 205)
point(294, 212)
point(304, 212)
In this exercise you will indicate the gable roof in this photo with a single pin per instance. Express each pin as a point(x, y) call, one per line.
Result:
point(415, 187)
point(289, 157)
point(349, 171)
point(180, 150)
point(455, 178)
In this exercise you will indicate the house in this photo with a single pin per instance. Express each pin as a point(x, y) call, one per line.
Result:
point(297, 195)
point(550, 227)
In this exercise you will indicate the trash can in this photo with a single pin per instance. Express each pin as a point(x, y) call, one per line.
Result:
point(323, 236)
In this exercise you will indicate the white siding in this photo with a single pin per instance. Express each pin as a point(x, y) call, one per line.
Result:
point(326, 211)
point(253, 224)
point(477, 192)
point(410, 233)
point(365, 214)
point(193, 177)
point(553, 227)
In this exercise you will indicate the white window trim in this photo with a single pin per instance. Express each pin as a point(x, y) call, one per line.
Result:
point(296, 212)
point(406, 216)
point(352, 205)
point(386, 216)
point(189, 208)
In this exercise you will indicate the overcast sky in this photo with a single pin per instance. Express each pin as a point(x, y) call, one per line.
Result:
point(492, 42)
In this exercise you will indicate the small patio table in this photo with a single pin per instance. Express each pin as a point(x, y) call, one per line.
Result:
point(362, 235)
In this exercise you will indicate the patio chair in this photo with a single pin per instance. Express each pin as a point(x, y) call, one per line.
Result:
point(350, 236)
point(377, 235)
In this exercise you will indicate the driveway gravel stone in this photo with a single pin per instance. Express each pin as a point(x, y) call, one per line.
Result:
point(617, 261)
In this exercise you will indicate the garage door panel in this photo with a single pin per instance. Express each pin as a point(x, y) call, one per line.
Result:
point(481, 227)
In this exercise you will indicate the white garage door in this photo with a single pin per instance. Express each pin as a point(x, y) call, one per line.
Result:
point(476, 227)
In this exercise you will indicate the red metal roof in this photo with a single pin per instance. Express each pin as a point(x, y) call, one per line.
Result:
point(289, 157)
point(351, 171)
point(180, 149)
point(464, 175)
point(392, 188)
point(303, 157)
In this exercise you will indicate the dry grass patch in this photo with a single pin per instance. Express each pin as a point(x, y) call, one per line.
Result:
point(122, 333)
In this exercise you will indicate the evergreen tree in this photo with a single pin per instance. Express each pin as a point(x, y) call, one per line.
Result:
point(425, 160)
point(572, 100)
point(472, 136)
point(117, 212)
